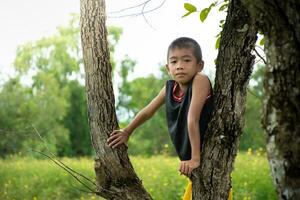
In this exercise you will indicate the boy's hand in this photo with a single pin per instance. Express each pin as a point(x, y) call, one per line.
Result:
point(187, 166)
point(117, 137)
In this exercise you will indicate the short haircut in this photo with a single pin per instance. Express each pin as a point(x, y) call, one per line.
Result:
point(185, 42)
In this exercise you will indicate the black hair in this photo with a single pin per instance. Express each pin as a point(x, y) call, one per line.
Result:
point(185, 42)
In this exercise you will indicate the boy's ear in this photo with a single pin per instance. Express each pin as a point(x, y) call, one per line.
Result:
point(201, 65)
point(167, 68)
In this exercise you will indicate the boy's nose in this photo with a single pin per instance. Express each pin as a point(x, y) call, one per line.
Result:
point(179, 66)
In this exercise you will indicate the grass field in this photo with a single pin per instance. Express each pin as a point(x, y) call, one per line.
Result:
point(32, 179)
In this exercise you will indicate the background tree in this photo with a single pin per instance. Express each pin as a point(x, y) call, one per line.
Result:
point(279, 21)
point(253, 134)
point(14, 109)
point(76, 120)
point(50, 63)
point(47, 92)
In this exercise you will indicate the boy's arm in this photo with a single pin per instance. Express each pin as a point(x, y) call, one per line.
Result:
point(200, 91)
point(121, 136)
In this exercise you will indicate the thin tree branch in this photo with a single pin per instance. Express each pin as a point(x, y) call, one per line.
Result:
point(262, 58)
point(83, 176)
point(142, 11)
point(81, 190)
point(64, 168)
point(125, 9)
point(146, 18)
point(254, 94)
point(257, 46)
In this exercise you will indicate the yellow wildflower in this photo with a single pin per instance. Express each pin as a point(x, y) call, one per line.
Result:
point(249, 152)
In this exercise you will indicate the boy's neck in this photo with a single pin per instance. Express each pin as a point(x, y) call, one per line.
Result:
point(183, 87)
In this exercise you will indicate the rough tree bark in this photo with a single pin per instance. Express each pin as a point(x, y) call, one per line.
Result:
point(280, 23)
point(234, 66)
point(115, 176)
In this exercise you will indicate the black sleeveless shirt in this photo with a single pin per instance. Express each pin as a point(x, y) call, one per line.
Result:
point(177, 112)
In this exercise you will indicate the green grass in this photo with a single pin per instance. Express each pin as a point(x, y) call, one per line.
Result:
point(252, 177)
point(28, 178)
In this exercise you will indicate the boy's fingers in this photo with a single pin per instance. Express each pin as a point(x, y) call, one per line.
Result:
point(114, 141)
point(114, 132)
point(180, 168)
point(111, 138)
point(186, 169)
point(117, 144)
point(183, 168)
point(189, 172)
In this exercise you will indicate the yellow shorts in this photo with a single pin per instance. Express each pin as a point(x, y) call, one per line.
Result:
point(188, 192)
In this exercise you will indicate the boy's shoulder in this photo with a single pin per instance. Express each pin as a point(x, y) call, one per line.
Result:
point(200, 77)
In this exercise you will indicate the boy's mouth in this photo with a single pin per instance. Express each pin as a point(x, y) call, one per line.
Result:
point(180, 74)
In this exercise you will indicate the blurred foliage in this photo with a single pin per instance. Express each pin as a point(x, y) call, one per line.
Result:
point(76, 121)
point(253, 135)
point(47, 96)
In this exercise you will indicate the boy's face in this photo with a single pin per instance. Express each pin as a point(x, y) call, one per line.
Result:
point(182, 64)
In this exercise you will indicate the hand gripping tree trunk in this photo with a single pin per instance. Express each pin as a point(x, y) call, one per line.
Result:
point(280, 24)
point(234, 66)
point(115, 176)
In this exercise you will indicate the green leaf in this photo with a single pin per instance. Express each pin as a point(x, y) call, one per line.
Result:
point(222, 23)
point(217, 45)
point(223, 7)
point(190, 7)
point(262, 41)
point(186, 14)
point(212, 5)
point(204, 13)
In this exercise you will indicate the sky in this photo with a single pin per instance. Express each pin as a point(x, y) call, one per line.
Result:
point(144, 39)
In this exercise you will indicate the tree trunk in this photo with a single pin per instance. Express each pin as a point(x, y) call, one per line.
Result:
point(115, 176)
point(234, 65)
point(280, 24)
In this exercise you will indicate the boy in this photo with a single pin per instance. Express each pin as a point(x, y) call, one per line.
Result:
point(188, 104)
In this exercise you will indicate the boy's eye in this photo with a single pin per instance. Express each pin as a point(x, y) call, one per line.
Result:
point(187, 60)
point(173, 61)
